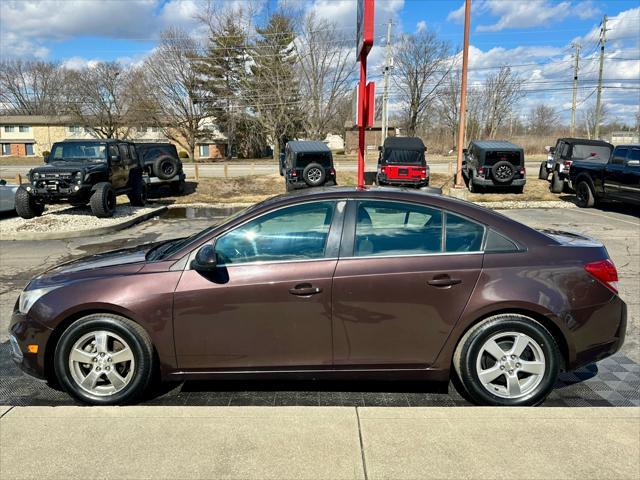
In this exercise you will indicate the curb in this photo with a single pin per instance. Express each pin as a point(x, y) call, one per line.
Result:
point(28, 236)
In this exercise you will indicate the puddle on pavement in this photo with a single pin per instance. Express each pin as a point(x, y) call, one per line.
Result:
point(193, 213)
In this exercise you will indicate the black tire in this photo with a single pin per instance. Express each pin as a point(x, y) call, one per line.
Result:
point(314, 174)
point(165, 167)
point(26, 205)
point(557, 184)
point(585, 198)
point(470, 347)
point(177, 188)
point(503, 172)
point(543, 174)
point(473, 188)
point(136, 338)
point(138, 194)
point(103, 200)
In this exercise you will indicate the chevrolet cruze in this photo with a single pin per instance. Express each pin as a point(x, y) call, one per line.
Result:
point(335, 283)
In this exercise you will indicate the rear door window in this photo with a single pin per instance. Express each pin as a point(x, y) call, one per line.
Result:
point(634, 154)
point(619, 156)
point(462, 235)
point(391, 228)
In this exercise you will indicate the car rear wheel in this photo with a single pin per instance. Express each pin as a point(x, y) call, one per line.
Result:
point(507, 360)
point(104, 359)
point(138, 194)
point(543, 174)
point(557, 184)
point(165, 167)
point(103, 200)
point(314, 175)
point(26, 205)
point(584, 195)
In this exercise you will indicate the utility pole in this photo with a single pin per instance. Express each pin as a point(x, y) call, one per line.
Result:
point(575, 89)
point(385, 94)
point(603, 41)
point(463, 92)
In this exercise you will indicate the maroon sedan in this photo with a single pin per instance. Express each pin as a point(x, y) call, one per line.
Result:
point(337, 283)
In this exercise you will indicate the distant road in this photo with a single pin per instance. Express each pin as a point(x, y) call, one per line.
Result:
point(236, 169)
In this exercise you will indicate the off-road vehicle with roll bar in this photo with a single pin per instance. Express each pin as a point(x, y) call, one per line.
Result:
point(494, 163)
point(402, 163)
point(569, 150)
point(307, 164)
point(84, 171)
point(162, 165)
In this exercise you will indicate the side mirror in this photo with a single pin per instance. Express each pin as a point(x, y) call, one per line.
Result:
point(206, 259)
point(3, 181)
point(552, 150)
point(46, 159)
point(633, 163)
point(379, 148)
point(465, 151)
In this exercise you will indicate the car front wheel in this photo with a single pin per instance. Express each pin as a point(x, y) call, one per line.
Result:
point(509, 360)
point(104, 359)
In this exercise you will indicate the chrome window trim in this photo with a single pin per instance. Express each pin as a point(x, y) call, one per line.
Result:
point(440, 254)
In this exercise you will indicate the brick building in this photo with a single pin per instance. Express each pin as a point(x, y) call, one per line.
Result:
point(373, 136)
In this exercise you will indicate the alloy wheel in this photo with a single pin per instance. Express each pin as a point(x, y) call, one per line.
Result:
point(503, 172)
point(510, 365)
point(314, 175)
point(101, 363)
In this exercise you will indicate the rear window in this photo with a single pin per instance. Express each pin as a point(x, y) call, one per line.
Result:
point(591, 152)
point(405, 157)
point(304, 159)
point(493, 157)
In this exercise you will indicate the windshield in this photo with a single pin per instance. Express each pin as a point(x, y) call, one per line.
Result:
point(166, 249)
point(585, 151)
point(78, 151)
point(411, 157)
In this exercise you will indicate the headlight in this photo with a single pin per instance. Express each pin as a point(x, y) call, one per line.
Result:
point(29, 297)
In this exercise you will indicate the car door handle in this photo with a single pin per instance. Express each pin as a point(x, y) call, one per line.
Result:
point(443, 281)
point(304, 290)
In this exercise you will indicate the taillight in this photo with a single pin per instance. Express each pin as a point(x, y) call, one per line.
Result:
point(425, 172)
point(605, 271)
point(294, 173)
point(567, 164)
point(383, 170)
point(332, 171)
point(481, 171)
point(523, 171)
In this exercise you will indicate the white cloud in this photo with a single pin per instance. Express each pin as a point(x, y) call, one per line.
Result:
point(523, 14)
point(421, 26)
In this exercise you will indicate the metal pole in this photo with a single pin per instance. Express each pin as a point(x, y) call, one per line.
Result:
point(385, 95)
point(463, 91)
point(603, 41)
point(362, 97)
point(575, 90)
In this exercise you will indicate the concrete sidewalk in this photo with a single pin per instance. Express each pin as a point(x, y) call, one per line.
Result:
point(318, 442)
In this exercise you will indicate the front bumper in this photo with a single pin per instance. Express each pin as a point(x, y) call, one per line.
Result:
point(60, 193)
point(24, 331)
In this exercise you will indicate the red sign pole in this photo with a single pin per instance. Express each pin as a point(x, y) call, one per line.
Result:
point(362, 98)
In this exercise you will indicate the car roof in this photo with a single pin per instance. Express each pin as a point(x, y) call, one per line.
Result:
point(496, 145)
point(585, 141)
point(629, 145)
point(97, 140)
point(307, 146)
point(404, 143)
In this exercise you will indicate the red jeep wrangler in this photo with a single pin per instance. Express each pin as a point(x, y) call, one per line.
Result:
point(401, 162)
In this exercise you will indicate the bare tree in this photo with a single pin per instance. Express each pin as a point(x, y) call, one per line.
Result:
point(172, 81)
point(448, 105)
point(325, 67)
point(31, 87)
point(589, 117)
point(422, 63)
point(543, 119)
point(501, 92)
point(99, 98)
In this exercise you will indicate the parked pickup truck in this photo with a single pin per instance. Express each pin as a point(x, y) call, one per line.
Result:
point(618, 179)
point(569, 150)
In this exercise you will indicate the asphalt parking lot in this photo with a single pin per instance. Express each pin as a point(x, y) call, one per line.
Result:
point(613, 382)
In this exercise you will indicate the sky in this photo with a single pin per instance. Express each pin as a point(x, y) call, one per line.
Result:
point(534, 36)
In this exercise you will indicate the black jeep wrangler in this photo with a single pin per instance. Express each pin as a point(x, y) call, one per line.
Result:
point(568, 150)
point(494, 163)
point(162, 164)
point(81, 172)
point(307, 164)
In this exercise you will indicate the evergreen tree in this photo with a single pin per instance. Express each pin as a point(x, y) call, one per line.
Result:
point(272, 92)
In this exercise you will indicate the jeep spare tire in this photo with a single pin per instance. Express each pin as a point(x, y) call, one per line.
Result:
point(503, 172)
point(103, 200)
point(26, 205)
point(165, 167)
point(314, 174)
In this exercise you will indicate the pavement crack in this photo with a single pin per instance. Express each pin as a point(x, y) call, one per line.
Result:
point(364, 461)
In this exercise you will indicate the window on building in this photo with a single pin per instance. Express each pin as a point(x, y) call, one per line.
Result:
point(75, 129)
point(6, 149)
point(9, 128)
point(24, 128)
point(204, 151)
point(28, 148)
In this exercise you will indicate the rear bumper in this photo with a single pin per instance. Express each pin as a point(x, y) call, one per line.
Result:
point(421, 182)
point(488, 182)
